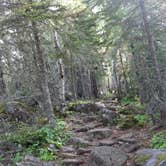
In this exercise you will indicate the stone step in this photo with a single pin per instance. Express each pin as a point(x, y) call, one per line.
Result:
point(67, 149)
point(99, 133)
point(72, 162)
point(107, 142)
point(68, 155)
point(88, 127)
point(78, 142)
point(81, 151)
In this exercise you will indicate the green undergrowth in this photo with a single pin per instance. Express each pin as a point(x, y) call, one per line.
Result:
point(40, 142)
point(132, 114)
point(158, 140)
point(132, 102)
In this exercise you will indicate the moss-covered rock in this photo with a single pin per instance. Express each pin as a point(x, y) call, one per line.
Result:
point(160, 157)
point(141, 159)
point(150, 157)
point(42, 121)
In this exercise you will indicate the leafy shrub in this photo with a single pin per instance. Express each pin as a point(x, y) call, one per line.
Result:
point(158, 141)
point(36, 141)
point(129, 121)
point(142, 120)
point(126, 121)
point(127, 100)
point(132, 102)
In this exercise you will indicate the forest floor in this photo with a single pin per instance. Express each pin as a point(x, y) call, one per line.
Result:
point(89, 131)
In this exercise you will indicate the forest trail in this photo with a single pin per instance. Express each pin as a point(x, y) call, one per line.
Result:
point(89, 131)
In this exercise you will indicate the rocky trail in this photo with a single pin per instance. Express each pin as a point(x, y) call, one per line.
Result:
point(93, 141)
point(97, 141)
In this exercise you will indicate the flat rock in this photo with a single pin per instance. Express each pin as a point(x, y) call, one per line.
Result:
point(81, 151)
point(99, 133)
point(68, 155)
point(67, 149)
point(79, 142)
point(106, 142)
point(150, 157)
point(107, 156)
point(127, 138)
point(90, 126)
point(90, 118)
point(72, 162)
point(129, 148)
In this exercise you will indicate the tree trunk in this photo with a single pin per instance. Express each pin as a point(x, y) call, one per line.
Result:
point(62, 84)
point(115, 81)
point(61, 68)
point(42, 76)
point(124, 75)
point(3, 92)
point(94, 86)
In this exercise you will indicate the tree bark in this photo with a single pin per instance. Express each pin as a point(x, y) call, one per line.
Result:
point(3, 92)
point(124, 74)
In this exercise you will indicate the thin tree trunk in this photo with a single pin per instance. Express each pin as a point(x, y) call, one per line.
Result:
point(3, 91)
point(73, 78)
point(124, 74)
point(116, 83)
point(62, 84)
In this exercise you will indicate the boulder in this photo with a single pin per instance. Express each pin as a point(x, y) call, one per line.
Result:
point(163, 163)
point(107, 156)
point(150, 157)
point(99, 133)
point(108, 116)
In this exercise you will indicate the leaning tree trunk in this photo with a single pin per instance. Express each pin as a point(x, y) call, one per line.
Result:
point(42, 78)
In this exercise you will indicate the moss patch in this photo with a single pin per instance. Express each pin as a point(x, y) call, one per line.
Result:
point(141, 159)
point(161, 157)
point(2, 107)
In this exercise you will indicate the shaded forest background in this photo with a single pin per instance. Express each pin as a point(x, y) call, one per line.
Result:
point(55, 51)
point(79, 69)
